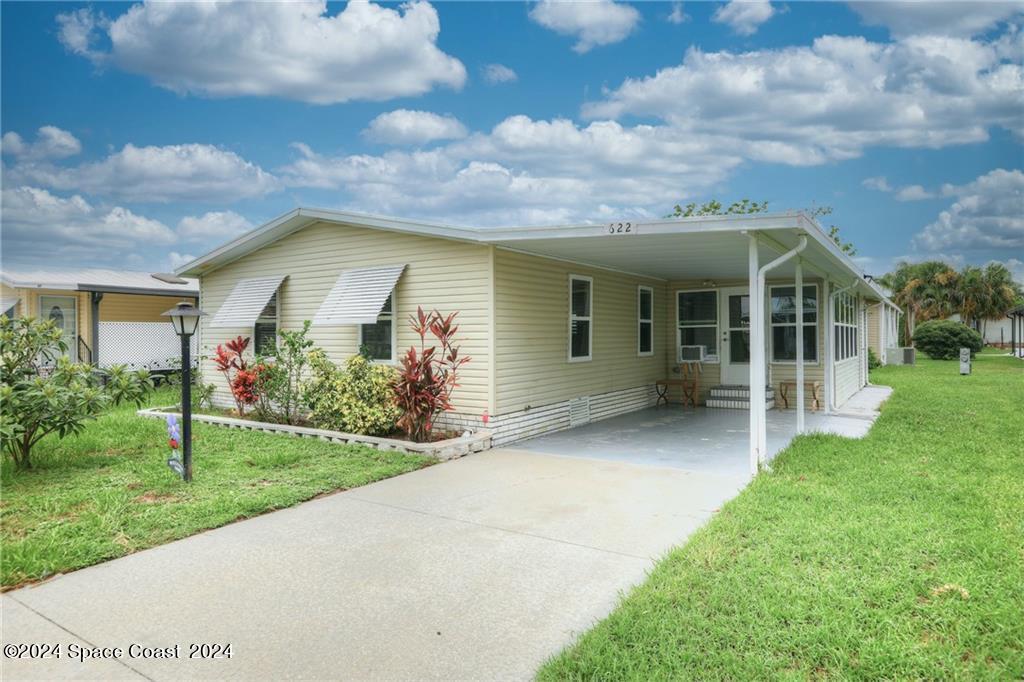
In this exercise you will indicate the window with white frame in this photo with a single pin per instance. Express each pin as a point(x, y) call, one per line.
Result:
point(697, 314)
point(784, 323)
point(581, 328)
point(645, 320)
point(377, 340)
point(264, 332)
point(845, 326)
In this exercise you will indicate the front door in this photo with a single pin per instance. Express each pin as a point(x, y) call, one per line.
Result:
point(734, 311)
point(61, 309)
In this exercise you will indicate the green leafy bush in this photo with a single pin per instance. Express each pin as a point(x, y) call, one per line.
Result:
point(943, 339)
point(279, 377)
point(873, 361)
point(42, 392)
point(358, 399)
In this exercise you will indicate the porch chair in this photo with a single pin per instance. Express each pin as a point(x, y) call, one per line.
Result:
point(688, 383)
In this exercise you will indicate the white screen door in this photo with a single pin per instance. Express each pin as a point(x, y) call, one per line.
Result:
point(62, 310)
point(734, 314)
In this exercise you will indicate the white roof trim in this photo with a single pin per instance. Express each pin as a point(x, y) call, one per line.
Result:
point(358, 296)
point(246, 301)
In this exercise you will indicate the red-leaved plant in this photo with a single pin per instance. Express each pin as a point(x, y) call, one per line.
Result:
point(240, 377)
point(428, 378)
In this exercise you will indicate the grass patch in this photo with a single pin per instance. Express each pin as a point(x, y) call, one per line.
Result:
point(109, 492)
point(898, 556)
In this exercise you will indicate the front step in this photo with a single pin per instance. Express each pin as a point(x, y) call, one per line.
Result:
point(737, 397)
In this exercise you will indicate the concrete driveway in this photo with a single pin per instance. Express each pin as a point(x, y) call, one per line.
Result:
point(479, 568)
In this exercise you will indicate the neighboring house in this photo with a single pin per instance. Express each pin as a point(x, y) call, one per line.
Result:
point(883, 328)
point(108, 316)
point(564, 324)
point(995, 332)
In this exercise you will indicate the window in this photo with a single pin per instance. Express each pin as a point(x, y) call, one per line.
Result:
point(845, 327)
point(377, 340)
point(581, 329)
point(645, 321)
point(264, 330)
point(783, 323)
point(698, 321)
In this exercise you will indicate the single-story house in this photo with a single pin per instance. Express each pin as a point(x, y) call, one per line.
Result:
point(108, 316)
point(564, 324)
point(883, 329)
point(1001, 332)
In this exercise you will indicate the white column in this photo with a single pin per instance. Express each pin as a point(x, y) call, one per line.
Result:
point(754, 412)
point(799, 346)
point(826, 298)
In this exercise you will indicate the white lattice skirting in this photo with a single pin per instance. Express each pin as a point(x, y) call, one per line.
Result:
point(140, 345)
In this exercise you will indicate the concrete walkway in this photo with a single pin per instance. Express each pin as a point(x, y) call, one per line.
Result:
point(479, 568)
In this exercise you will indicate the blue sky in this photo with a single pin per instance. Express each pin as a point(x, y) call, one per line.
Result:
point(140, 135)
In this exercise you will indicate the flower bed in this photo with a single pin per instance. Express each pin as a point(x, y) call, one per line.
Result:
point(450, 448)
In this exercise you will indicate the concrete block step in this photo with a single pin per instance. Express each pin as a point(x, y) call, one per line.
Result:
point(727, 392)
point(735, 403)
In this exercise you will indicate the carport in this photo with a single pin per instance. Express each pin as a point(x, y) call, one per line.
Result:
point(702, 440)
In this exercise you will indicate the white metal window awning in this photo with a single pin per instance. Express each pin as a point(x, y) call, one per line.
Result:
point(7, 302)
point(246, 301)
point(359, 295)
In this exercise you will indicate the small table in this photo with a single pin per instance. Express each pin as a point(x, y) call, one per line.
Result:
point(813, 386)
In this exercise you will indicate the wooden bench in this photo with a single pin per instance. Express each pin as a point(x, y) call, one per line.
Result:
point(812, 387)
point(688, 381)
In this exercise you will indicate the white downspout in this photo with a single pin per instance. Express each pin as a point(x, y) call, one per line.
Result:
point(800, 345)
point(752, 265)
point(758, 405)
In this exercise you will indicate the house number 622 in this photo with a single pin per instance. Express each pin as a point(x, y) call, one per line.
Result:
point(620, 228)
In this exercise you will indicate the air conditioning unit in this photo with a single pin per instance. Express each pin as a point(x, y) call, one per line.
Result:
point(900, 356)
point(909, 356)
point(691, 353)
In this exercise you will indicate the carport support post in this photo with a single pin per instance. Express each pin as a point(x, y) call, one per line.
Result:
point(95, 297)
point(799, 346)
point(756, 332)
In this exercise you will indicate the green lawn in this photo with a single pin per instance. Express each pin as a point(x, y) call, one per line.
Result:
point(109, 492)
point(899, 556)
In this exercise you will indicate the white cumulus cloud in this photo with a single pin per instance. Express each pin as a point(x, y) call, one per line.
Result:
point(403, 126)
point(498, 73)
point(214, 226)
point(913, 193)
point(293, 50)
point(182, 172)
point(988, 214)
point(43, 227)
point(51, 143)
point(830, 100)
point(877, 183)
point(594, 23)
point(962, 19)
point(744, 17)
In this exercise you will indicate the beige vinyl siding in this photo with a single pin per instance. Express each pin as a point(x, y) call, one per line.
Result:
point(8, 292)
point(444, 274)
point(874, 328)
point(778, 371)
point(532, 365)
point(83, 312)
point(137, 308)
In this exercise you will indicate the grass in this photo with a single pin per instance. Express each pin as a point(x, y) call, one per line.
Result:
point(898, 556)
point(109, 492)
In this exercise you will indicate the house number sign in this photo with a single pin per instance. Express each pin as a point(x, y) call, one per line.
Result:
point(622, 228)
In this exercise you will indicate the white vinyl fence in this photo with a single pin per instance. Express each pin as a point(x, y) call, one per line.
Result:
point(141, 345)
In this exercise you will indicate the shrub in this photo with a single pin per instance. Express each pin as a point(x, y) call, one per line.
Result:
point(943, 339)
point(356, 400)
point(230, 361)
point(34, 404)
point(279, 377)
point(428, 378)
point(873, 361)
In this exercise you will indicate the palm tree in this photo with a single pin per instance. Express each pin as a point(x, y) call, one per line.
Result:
point(925, 291)
point(1001, 292)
